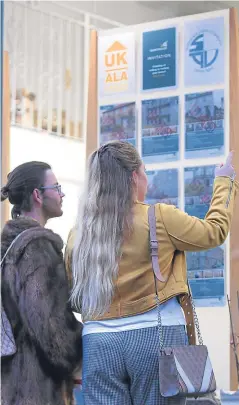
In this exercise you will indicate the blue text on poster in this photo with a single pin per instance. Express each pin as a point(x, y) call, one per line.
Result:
point(159, 59)
point(204, 124)
point(204, 57)
point(117, 122)
point(160, 130)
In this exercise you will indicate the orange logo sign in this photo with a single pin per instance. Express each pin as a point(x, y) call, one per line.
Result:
point(116, 65)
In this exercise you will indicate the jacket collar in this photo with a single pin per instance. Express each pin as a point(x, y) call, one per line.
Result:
point(15, 226)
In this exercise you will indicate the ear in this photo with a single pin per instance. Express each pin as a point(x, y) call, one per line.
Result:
point(37, 196)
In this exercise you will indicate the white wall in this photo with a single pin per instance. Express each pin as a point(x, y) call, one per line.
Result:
point(215, 328)
point(67, 158)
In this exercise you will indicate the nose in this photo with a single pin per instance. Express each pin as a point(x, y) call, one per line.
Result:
point(62, 195)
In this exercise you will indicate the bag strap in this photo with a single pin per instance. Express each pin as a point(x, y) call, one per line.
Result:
point(14, 241)
point(154, 243)
point(195, 317)
point(189, 304)
point(155, 264)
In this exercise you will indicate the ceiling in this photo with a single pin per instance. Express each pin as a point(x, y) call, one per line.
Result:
point(129, 12)
point(180, 8)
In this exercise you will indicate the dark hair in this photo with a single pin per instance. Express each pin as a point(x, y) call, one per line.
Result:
point(21, 183)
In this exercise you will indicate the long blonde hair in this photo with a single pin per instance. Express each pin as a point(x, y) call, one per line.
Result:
point(105, 217)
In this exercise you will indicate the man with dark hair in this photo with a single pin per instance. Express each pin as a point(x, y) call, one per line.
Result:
point(35, 293)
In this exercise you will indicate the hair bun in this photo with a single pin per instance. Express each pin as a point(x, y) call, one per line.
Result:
point(4, 193)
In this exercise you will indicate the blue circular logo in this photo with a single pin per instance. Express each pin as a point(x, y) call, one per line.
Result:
point(204, 49)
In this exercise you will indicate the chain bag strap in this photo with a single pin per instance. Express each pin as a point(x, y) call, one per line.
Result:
point(195, 317)
point(185, 370)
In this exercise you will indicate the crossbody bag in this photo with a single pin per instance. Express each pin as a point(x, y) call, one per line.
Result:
point(184, 371)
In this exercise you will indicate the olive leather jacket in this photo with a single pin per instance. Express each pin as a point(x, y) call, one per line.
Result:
point(177, 232)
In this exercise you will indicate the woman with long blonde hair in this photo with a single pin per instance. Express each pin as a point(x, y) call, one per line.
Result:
point(113, 280)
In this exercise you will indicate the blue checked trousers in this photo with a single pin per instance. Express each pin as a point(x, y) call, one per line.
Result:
point(121, 368)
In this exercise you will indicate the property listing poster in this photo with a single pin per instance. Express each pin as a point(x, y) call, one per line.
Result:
point(117, 122)
point(204, 52)
point(204, 124)
point(163, 187)
point(206, 268)
point(160, 130)
point(175, 99)
point(116, 64)
point(159, 59)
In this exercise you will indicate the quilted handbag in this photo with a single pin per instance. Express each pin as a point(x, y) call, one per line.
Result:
point(184, 371)
point(8, 345)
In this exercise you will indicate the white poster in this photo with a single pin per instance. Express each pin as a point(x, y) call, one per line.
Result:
point(116, 64)
point(204, 52)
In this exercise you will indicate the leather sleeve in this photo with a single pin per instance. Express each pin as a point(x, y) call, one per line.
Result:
point(189, 233)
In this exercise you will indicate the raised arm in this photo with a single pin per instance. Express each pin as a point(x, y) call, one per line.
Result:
point(193, 234)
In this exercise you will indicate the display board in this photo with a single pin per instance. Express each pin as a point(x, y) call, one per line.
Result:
point(175, 93)
point(185, 98)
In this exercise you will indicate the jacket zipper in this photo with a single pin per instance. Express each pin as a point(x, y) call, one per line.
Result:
point(230, 192)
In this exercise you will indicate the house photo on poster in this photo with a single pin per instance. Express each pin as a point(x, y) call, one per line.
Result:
point(205, 269)
point(204, 124)
point(204, 56)
point(159, 59)
point(160, 130)
point(162, 187)
point(198, 188)
point(117, 122)
point(206, 274)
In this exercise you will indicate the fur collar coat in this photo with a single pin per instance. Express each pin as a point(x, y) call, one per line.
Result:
point(35, 298)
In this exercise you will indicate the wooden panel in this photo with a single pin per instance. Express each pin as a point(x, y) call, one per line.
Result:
point(92, 112)
point(234, 145)
point(5, 134)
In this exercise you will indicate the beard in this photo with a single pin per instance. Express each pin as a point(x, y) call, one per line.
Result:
point(51, 208)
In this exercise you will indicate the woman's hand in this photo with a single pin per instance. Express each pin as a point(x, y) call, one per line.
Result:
point(226, 169)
